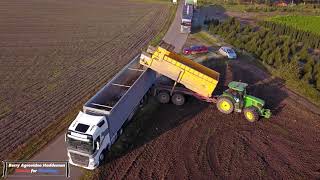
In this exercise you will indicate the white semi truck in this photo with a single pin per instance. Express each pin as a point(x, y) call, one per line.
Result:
point(186, 18)
point(95, 129)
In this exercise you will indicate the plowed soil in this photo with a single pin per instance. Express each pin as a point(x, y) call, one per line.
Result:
point(196, 141)
point(56, 54)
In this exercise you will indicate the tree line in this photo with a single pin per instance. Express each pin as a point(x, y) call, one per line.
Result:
point(267, 2)
point(275, 47)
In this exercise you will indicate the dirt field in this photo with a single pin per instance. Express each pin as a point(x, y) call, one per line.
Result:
point(55, 54)
point(196, 141)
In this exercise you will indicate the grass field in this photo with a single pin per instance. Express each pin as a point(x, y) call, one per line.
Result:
point(305, 23)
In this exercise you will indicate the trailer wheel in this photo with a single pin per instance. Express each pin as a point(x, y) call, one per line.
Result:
point(143, 101)
point(251, 114)
point(163, 97)
point(225, 105)
point(120, 132)
point(178, 99)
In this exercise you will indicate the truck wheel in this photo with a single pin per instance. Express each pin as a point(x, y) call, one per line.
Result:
point(163, 97)
point(178, 99)
point(102, 156)
point(225, 105)
point(251, 114)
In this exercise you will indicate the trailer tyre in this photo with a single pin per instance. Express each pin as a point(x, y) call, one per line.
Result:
point(130, 116)
point(144, 100)
point(225, 105)
point(251, 114)
point(163, 97)
point(178, 99)
point(120, 132)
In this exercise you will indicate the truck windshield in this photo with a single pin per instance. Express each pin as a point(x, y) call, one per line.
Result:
point(186, 23)
point(81, 146)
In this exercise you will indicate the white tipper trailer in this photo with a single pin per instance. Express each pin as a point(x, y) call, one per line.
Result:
point(95, 129)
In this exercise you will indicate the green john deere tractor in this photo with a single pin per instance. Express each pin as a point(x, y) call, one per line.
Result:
point(236, 99)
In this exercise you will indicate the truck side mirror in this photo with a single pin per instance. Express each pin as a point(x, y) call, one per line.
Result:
point(98, 145)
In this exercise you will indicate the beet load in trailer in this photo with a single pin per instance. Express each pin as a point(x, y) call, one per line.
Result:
point(200, 82)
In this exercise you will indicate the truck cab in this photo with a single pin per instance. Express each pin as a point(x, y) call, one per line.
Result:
point(88, 140)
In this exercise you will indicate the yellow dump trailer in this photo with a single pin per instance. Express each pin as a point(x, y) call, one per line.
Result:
point(192, 75)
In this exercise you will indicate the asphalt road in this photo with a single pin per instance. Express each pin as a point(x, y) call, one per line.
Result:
point(173, 36)
point(56, 150)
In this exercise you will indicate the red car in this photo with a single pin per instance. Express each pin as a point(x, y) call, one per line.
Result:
point(195, 50)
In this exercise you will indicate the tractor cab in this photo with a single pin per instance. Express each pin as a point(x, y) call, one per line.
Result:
point(238, 86)
point(237, 92)
point(237, 89)
point(236, 99)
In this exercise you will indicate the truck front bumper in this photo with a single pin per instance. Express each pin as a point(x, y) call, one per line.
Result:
point(89, 167)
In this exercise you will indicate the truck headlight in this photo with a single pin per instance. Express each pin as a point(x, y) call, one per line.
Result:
point(91, 162)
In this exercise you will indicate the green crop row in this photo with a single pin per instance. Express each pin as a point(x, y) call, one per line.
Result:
point(305, 23)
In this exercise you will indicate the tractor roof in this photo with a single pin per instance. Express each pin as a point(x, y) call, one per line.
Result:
point(238, 86)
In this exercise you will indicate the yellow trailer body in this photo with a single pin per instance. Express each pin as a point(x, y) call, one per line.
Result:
point(192, 75)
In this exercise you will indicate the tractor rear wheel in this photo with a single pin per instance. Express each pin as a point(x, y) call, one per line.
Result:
point(178, 99)
point(163, 97)
point(251, 114)
point(225, 105)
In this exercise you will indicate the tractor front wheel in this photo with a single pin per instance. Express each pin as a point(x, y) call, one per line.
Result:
point(251, 114)
point(225, 105)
